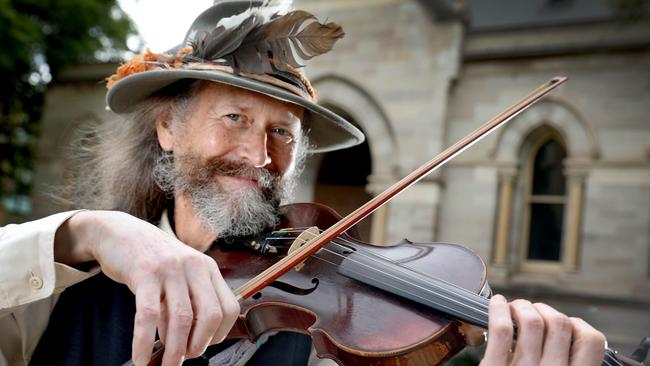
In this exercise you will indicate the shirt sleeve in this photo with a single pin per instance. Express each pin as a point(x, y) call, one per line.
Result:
point(28, 271)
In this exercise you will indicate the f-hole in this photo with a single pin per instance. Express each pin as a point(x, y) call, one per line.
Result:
point(289, 288)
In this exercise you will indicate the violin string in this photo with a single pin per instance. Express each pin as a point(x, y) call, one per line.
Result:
point(610, 355)
point(605, 362)
point(476, 299)
point(479, 302)
point(446, 293)
point(368, 253)
point(407, 270)
point(359, 250)
point(469, 295)
point(362, 250)
point(437, 284)
point(443, 307)
point(608, 358)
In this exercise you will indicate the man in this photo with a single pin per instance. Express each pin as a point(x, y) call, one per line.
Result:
point(213, 137)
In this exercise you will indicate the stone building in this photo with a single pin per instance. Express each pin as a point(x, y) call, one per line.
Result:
point(557, 202)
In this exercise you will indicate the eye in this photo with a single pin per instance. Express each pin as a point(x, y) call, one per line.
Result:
point(282, 134)
point(234, 117)
point(280, 131)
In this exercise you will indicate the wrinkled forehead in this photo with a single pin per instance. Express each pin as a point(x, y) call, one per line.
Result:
point(217, 95)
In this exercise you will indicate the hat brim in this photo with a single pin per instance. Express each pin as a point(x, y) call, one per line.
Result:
point(327, 131)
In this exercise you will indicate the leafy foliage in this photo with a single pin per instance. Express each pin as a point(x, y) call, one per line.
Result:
point(39, 39)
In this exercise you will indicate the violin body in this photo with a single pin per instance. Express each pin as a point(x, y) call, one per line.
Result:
point(348, 321)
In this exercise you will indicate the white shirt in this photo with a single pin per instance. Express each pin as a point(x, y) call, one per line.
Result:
point(30, 281)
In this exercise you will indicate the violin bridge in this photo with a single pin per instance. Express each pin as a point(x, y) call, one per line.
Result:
point(301, 240)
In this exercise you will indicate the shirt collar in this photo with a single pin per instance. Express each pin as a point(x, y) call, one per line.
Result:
point(165, 225)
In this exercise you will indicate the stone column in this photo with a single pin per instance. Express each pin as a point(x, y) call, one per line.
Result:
point(377, 183)
point(378, 228)
point(576, 175)
point(507, 177)
point(412, 214)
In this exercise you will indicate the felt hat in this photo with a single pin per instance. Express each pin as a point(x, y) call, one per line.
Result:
point(246, 44)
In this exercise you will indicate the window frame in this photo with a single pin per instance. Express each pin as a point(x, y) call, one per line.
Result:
point(543, 266)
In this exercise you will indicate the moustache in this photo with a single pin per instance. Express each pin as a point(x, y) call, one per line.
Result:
point(265, 178)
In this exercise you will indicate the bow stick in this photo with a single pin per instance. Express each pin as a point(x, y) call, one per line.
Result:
point(312, 246)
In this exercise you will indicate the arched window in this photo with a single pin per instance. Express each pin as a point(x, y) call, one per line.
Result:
point(545, 202)
point(542, 168)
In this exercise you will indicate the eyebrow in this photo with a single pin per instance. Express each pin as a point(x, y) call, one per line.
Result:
point(289, 124)
point(240, 106)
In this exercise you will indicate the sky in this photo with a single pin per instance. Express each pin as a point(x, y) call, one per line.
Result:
point(162, 23)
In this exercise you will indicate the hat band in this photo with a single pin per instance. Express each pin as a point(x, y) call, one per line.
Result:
point(265, 78)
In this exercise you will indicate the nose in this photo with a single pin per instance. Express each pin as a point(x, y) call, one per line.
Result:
point(254, 149)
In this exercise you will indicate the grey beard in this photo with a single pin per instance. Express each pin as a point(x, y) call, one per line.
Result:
point(242, 212)
point(239, 213)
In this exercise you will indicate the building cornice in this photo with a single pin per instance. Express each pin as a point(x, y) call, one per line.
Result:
point(556, 41)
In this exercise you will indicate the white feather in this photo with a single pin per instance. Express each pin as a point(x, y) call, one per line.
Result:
point(265, 11)
point(284, 6)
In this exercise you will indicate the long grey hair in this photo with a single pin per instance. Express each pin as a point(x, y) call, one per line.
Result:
point(114, 161)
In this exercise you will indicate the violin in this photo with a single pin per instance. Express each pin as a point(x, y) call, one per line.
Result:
point(348, 320)
point(314, 276)
point(404, 304)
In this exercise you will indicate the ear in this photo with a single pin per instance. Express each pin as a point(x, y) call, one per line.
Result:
point(164, 132)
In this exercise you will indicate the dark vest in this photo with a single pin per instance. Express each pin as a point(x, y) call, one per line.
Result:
point(92, 324)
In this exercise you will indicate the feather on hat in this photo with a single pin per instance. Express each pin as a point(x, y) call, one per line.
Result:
point(253, 45)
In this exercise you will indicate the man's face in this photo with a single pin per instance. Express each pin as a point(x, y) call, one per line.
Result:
point(234, 157)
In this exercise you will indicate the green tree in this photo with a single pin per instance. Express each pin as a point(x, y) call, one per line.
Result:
point(39, 39)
